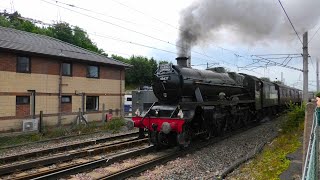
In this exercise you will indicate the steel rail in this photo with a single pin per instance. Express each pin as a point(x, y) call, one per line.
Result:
point(6, 169)
point(17, 157)
point(88, 165)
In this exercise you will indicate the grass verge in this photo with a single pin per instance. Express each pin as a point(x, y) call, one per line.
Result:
point(112, 126)
point(272, 161)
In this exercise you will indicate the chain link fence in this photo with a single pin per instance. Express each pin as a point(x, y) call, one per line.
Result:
point(311, 166)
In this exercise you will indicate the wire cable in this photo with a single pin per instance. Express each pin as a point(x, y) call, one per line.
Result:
point(314, 35)
point(290, 22)
point(148, 15)
point(137, 32)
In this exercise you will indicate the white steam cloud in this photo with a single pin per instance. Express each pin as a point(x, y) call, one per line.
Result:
point(250, 21)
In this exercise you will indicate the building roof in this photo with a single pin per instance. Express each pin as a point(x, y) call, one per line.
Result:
point(13, 39)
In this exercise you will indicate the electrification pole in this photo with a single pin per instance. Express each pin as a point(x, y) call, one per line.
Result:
point(317, 69)
point(305, 67)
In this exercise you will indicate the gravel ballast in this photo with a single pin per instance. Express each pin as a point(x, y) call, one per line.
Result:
point(212, 161)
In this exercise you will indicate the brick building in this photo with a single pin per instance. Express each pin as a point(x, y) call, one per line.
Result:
point(40, 73)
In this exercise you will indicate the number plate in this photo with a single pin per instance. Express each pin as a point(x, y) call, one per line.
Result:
point(165, 67)
point(165, 78)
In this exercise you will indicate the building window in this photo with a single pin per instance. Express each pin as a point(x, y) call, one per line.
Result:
point(66, 69)
point(23, 64)
point(93, 72)
point(23, 100)
point(66, 99)
point(92, 103)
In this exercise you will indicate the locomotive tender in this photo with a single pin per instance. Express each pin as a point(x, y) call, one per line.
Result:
point(207, 103)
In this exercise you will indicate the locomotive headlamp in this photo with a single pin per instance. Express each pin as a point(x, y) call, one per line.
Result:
point(180, 114)
point(137, 113)
point(166, 128)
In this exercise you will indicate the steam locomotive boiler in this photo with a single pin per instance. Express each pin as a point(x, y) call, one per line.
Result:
point(194, 102)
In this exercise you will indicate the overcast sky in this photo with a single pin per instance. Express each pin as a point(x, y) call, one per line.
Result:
point(151, 28)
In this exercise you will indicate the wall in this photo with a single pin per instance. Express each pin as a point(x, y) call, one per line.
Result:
point(44, 78)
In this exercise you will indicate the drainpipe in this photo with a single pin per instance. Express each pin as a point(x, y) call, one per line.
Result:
point(33, 103)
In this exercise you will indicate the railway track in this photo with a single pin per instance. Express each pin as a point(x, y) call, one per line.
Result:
point(135, 166)
point(107, 162)
point(75, 156)
point(17, 157)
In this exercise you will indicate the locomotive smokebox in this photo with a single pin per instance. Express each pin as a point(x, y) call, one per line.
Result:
point(184, 61)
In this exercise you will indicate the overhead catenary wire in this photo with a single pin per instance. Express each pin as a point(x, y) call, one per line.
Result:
point(118, 39)
point(104, 14)
point(146, 46)
point(128, 29)
point(269, 61)
point(314, 35)
point(150, 16)
point(290, 22)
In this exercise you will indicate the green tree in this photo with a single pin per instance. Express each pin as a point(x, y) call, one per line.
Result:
point(62, 31)
point(142, 71)
point(120, 58)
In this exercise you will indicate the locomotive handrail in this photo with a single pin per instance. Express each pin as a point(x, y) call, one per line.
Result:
point(141, 121)
point(223, 84)
point(173, 112)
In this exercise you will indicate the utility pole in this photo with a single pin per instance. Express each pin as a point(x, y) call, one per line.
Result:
point(305, 67)
point(282, 77)
point(317, 69)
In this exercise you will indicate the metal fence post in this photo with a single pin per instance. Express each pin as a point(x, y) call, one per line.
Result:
point(40, 121)
point(103, 113)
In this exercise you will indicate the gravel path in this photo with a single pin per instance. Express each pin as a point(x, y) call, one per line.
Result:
point(62, 142)
point(211, 161)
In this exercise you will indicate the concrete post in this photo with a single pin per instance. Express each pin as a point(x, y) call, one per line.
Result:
point(305, 67)
point(308, 120)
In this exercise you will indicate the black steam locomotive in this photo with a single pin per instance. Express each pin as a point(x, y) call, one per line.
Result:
point(207, 103)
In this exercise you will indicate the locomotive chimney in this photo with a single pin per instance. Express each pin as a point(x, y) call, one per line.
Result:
point(184, 61)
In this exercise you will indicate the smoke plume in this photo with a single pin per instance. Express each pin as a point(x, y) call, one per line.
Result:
point(250, 21)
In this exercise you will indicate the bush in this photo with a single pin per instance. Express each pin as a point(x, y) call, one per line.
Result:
point(115, 124)
point(294, 117)
point(90, 128)
point(20, 139)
